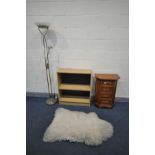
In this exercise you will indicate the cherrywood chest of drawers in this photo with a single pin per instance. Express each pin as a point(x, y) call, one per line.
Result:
point(105, 89)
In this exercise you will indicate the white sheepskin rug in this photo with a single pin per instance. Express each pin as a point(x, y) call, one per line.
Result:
point(77, 126)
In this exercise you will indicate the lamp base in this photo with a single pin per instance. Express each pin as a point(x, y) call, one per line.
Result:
point(51, 101)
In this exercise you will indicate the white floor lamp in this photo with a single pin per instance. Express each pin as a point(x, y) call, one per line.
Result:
point(43, 29)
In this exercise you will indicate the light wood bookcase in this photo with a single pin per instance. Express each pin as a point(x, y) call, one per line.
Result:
point(74, 86)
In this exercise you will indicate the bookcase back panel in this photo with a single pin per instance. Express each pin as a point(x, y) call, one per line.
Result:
point(75, 78)
point(75, 93)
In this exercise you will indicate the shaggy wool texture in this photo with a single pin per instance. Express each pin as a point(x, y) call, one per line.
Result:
point(77, 126)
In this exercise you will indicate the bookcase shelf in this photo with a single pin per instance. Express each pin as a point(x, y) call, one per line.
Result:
point(74, 86)
point(81, 87)
point(74, 99)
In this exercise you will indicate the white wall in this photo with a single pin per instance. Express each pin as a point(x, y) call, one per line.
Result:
point(89, 34)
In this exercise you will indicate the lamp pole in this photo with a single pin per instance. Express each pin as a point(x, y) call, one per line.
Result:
point(43, 29)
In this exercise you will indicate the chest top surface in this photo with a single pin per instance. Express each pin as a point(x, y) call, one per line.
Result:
point(107, 76)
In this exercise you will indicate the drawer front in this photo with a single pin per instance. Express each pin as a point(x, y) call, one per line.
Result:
point(105, 103)
point(105, 99)
point(107, 83)
point(106, 89)
point(106, 94)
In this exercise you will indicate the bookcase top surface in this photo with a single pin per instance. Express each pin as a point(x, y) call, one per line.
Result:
point(74, 71)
